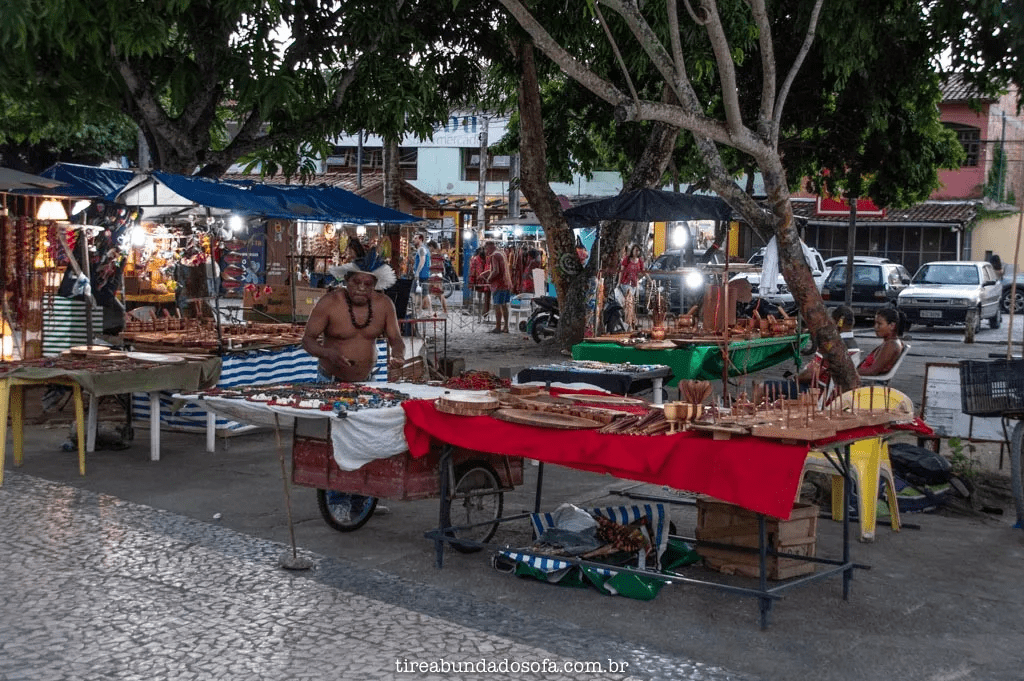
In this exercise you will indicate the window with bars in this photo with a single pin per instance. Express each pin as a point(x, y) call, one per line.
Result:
point(970, 139)
point(345, 159)
point(497, 166)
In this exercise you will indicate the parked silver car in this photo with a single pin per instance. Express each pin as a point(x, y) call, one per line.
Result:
point(953, 292)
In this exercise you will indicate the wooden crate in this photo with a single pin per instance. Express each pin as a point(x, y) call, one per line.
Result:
point(724, 523)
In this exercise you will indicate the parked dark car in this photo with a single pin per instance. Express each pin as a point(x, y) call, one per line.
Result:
point(875, 285)
point(1008, 290)
point(683, 283)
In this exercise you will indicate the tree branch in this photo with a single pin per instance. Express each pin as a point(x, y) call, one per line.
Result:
point(673, 28)
point(812, 28)
point(649, 40)
point(726, 67)
point(618, 55)
point(768, 75)
point(574, 69)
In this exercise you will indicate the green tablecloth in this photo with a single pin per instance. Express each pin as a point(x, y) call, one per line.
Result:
point(193, 374)
point(700, 362)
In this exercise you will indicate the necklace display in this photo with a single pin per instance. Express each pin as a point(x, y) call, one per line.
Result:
point(352, 314)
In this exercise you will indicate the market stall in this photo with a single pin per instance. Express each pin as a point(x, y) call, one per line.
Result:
point(348, 438)
point(100, 372)
point(698, 360)
point(619, 378)
point(743, 456)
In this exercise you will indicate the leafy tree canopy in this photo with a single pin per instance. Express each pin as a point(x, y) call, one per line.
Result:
point(284, 75)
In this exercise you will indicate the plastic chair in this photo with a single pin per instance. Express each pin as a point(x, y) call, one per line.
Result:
point(869, 463)
point(519, 307)
point(886, 378)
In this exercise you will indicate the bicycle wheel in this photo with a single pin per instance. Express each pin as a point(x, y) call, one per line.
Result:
point(477, 498)
point(345, 512)
point(448, 288)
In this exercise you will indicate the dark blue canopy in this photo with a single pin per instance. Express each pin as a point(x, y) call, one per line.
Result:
point(83, 182)
point(288, 202)
point(650, 205)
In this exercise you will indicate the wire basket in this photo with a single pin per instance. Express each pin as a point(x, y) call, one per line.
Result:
point(992, 387)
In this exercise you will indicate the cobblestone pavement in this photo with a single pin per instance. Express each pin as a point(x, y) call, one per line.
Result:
point(99, 588)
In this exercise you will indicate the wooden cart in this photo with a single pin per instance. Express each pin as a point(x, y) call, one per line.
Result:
point(347, 499)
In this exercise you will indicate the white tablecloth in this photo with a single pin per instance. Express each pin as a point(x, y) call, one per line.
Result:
point(358, 437)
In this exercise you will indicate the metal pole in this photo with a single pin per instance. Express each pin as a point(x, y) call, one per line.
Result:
point(851, 246)
point(1013, 285)
point(481, 191)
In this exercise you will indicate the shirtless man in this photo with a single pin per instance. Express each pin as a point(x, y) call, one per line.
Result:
point(351, 319)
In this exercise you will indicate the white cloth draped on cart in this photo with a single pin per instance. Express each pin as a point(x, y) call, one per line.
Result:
point(358, 438)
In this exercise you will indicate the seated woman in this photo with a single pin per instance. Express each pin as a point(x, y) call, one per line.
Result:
point(889, 327)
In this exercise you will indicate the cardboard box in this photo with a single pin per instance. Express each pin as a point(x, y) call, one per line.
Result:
point(306, 299)
point(724, 523)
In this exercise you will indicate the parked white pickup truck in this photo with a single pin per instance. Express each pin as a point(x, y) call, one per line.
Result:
point(781, 295)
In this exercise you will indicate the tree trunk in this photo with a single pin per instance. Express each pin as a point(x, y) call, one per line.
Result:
point(801, 282)
point(617, 235)
point(392, 174)
point(566, 269)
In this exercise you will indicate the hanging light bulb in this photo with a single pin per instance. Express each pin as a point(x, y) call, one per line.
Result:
point(235, 223)
point(138, 236)
point(51, 209)
point(361, 230)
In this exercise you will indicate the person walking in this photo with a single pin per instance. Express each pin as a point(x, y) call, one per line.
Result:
point(501, 286)
point(421, 272)
point(630, 270)
point(436, 277)
point(481, 289)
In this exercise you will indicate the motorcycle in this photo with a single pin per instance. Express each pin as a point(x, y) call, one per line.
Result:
point(543, 319)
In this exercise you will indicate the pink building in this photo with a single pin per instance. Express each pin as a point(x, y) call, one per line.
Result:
point(983, 129)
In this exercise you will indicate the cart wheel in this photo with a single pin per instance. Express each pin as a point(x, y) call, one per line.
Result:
point(477, 499)
point(345, 512)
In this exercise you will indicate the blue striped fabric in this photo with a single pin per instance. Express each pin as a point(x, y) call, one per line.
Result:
point(291, 364)
point(620, 514)
point(380, 367)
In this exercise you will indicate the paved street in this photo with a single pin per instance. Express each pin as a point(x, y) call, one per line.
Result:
point(99, 588)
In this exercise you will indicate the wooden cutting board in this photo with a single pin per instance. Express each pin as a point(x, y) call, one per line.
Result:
point(467, 404)
point(543, 419)
point(602, 399)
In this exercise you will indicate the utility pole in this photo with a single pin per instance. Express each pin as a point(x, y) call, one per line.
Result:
point(513, 186)
point(481, 193)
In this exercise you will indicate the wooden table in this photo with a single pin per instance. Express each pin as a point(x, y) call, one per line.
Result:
point(699, 361)
point(145, 376)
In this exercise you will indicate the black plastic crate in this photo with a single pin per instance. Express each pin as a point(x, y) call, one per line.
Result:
point(992, 387)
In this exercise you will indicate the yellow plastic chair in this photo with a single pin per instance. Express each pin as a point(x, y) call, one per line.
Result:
point(869, 462)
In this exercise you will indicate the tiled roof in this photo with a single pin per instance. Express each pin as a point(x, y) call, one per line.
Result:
point(943, 212)
point(956, 89)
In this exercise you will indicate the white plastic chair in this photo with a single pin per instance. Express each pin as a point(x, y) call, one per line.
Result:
point(886, 378)
point(519, 309)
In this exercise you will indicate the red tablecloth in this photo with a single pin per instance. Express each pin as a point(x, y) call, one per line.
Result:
point(756, 474)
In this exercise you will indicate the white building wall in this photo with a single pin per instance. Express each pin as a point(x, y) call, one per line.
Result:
point(439, 163)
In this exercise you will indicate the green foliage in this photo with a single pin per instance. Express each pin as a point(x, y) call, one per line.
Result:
point(962, 458)
point(279, 75)
point(996, 180)
point(36, 139)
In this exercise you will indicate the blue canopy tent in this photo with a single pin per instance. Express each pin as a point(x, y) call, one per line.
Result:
point(162, 193)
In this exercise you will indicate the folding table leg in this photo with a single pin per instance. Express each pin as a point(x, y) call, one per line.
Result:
point(154, 426)
point(17, 410)
point(94, 411)
point(211, 432)
point(5, 397)
point(76, 391)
